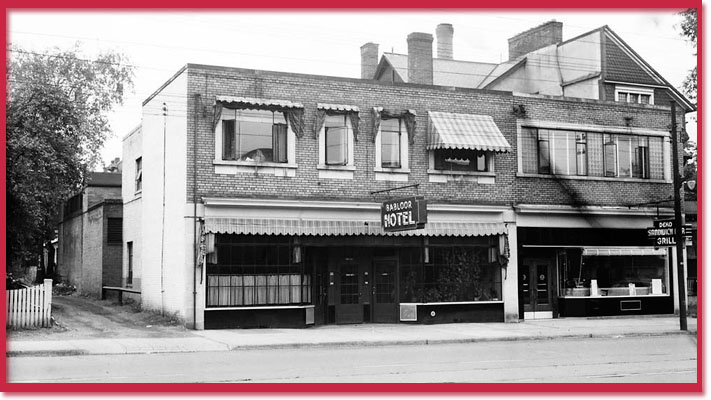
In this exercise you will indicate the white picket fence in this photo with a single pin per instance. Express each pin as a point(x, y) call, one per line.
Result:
point(30, 307)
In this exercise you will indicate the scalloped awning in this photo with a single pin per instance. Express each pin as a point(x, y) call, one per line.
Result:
point(257, 102)
point(312, 227)
point(337, 107)
point(464, 131)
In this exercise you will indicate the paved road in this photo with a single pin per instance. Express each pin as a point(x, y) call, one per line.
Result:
point(624, 359)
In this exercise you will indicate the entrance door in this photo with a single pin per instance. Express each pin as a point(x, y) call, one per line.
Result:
point(348, 294)
point(384, 300)
point(535, 276)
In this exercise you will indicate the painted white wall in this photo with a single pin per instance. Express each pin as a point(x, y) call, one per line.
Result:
point(132, 148)
point(163, 227)
point(580, 57)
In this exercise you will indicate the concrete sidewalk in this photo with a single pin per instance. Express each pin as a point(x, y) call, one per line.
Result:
point(359, 335)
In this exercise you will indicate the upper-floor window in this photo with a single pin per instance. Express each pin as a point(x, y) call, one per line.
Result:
point(336, 140)
point(254, 135)
point(635, 95)
point(139, 174)
point(462, 160)
point(567, 152)
point(390, 143)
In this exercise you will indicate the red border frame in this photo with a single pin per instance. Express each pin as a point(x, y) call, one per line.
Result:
point(449, 388)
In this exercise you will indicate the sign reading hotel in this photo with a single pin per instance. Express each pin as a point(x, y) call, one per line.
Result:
point(404, 214)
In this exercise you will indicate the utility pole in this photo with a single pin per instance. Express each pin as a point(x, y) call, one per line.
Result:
point(678, 222)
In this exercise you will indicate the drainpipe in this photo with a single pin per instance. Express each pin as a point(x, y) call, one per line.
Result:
point(195, 238)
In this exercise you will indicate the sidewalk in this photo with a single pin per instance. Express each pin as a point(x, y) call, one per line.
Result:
point(359, 335)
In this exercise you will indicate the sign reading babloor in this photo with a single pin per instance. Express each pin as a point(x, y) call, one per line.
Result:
point(404, 214)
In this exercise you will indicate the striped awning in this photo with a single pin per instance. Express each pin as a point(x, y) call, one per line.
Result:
point(257, 102)
point(623, 251)
point(312, 227)
point(337, 107)
point(464, 131)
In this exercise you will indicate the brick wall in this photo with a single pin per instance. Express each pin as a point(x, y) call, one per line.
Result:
point(309, 90)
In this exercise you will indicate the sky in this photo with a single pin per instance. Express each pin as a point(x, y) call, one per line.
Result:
point(159, 43)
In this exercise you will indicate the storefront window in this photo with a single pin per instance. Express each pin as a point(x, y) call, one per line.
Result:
point(613, 272)
point(449, 274)
point(254, 270)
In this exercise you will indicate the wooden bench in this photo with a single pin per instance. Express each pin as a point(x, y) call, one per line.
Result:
point(120, 291)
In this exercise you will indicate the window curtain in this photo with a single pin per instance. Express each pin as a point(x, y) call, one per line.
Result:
point(295, 116)
point(408, 117)
point(321, 118)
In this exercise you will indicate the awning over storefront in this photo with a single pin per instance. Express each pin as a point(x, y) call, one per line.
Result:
point(464, 131)
point(623, 251)
point(311, 227)
point(257, 102)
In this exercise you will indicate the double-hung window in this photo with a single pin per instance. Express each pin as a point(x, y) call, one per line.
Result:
point(254, 135)
point(336, 140)
point(139, 174)
point(391, 142)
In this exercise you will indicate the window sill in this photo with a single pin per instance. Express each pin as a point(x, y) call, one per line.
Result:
point(246, 167)
point(437, 176)
point(336, 167)
point(590, 178)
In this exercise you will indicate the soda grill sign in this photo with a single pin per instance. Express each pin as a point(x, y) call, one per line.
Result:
point(404, 214)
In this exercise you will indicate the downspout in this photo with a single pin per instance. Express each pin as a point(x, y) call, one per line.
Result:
point(195, 238)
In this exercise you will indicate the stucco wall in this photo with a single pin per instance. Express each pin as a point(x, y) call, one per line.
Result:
point(132, 207)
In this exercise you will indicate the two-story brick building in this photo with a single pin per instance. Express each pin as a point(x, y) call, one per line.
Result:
point(258, 194)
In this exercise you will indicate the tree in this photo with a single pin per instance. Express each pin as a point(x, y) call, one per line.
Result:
point(56, 125)
point(688, 30)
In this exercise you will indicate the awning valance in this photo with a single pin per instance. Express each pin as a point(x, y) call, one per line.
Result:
point(623, 251)
point(337, 107)
point(257, 103)
point(294, 112)
point(464, 131)
point(408, 117)
point(312, 227)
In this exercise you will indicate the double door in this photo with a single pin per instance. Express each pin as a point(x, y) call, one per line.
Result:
point(536, 288)
point(364, 289)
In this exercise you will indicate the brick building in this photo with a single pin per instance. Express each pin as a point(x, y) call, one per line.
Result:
point(89, 247)
point(260, 192)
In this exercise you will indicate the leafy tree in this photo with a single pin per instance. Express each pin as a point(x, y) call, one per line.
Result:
point(688, 30)
point(56, 125)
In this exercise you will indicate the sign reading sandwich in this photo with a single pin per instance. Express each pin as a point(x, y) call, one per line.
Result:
point(404, 214)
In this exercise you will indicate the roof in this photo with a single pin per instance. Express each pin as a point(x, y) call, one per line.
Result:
point(457, 73)
point(112, 179)
point(464, 131)
point(313, 227)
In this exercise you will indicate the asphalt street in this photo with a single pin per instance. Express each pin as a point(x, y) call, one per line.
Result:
point(617, 359)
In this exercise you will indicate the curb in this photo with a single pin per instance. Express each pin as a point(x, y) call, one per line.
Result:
point(377, 343)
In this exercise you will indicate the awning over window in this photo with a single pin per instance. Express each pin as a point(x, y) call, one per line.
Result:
point(294, 112)
point(623, 251)
point(337, 107)
point(311, 227)
point(464, 131)
point(259, 103)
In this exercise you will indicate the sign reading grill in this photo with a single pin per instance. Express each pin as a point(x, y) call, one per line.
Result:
point(404, 214)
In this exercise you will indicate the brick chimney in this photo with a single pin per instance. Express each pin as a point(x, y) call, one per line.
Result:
point(535, 38)
point(419, 58)
point(368, 60)
point(445, 49)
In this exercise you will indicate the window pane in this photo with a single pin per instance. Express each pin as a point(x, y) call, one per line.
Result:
point(644, 98)
point(610, 155)
point(656, 158)
point(336, 146)
point(634, 98)
point(390, 150)
point(528, 150)
point(624, 155)
point(581, 156)
point(544, 159)
point(621, 96)
point(255, 136)
point(228, 140)
point(561, 153)
point(640, 161)
point(459, 160)
point(279, 142)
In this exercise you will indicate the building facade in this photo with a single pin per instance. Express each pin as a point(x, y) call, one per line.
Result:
point(260, 199)
point(90, 235)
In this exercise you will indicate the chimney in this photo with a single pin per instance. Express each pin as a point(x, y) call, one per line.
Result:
point(535, 38)
point(368, 60)
point(445, 49)
point(419, 58)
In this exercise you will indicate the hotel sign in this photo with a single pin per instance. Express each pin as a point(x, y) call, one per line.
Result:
point(404, 214)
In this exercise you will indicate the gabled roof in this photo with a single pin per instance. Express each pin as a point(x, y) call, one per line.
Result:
point(501, 71)
point(467, 74)
point(650, 72)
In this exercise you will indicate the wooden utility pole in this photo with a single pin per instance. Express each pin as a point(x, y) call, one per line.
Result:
point(678, 221)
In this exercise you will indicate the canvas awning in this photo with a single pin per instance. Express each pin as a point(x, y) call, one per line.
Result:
point(337, 107)
point(623, 251)
point(464, 131)
point(257, 102)
point(312, 227)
